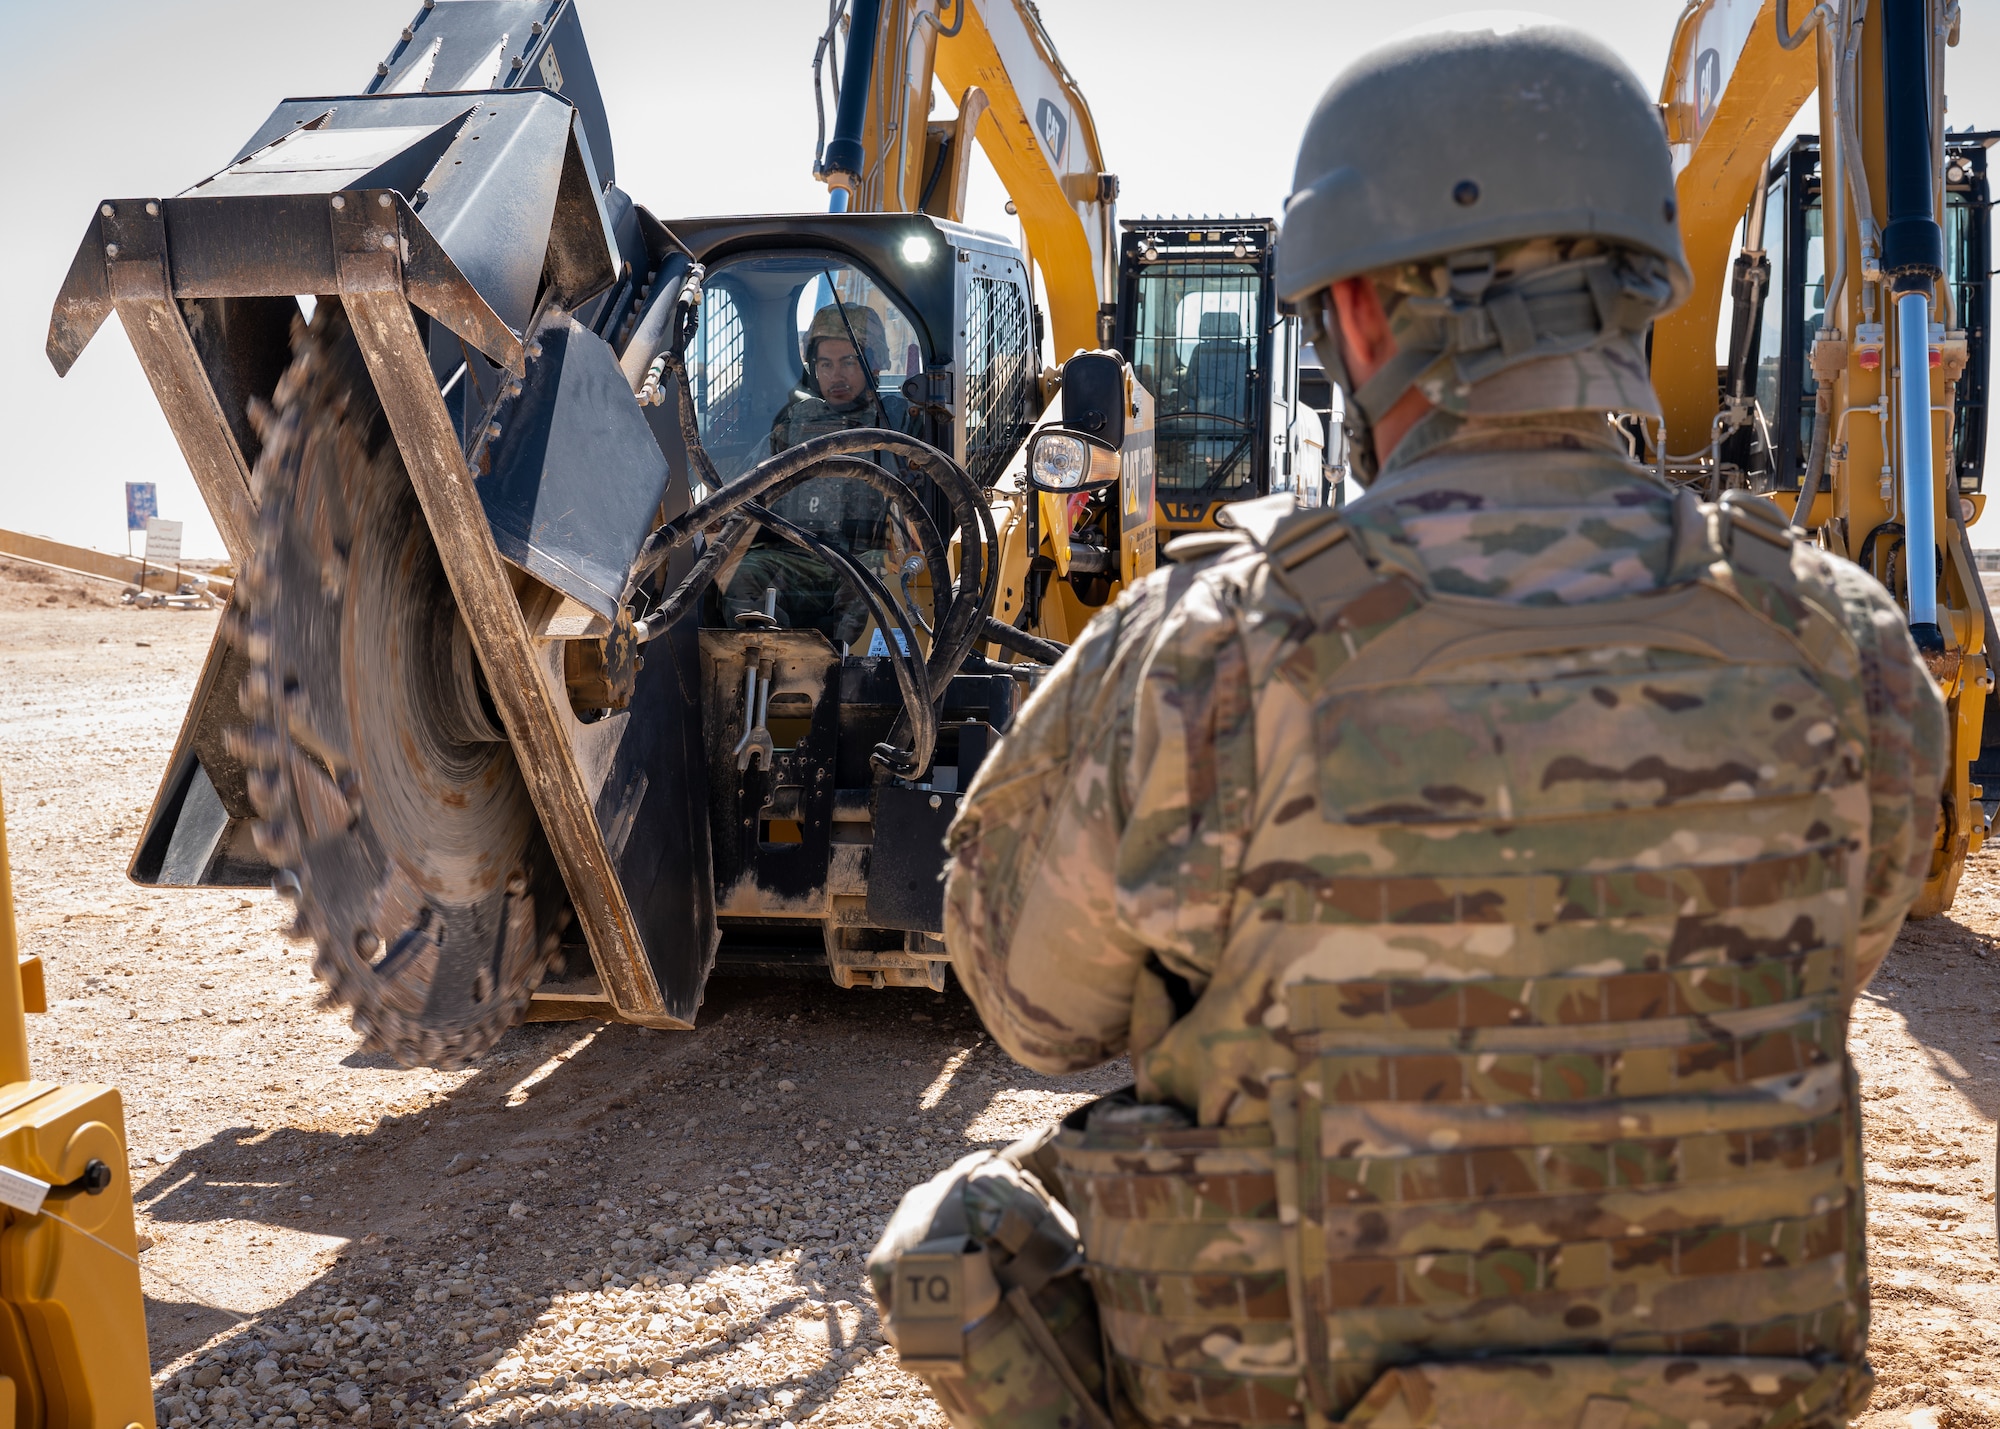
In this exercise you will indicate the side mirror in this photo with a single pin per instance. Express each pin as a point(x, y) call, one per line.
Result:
point(1094, 400)
point(1086, 452)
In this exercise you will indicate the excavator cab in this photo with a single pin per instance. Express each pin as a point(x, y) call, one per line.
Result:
point(1771, 343)
point(1777, 317)
point(1197, 318)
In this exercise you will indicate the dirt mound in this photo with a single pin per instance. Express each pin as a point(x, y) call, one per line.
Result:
point(24, 585)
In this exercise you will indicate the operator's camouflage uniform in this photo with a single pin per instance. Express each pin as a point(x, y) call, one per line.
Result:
point(1183, 851)
point(844, 513)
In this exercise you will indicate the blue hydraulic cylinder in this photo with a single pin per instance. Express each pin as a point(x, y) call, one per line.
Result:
point(1913, 433)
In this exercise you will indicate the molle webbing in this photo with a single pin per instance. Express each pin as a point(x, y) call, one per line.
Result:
point(1683, 1060)
point(1562, 898)
point(1533, 1008)
point(1473, 1003)
point(1208, 1335)
point(1209, 1198)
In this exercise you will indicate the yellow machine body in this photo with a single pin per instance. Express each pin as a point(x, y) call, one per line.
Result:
point(1732, 88)
point(72, 1318)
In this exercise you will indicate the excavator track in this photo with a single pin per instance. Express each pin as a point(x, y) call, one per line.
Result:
point(389, 799)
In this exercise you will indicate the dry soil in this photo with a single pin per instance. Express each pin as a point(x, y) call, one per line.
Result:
point(608, 1226)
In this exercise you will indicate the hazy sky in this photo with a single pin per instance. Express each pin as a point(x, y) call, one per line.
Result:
point(1199, 106)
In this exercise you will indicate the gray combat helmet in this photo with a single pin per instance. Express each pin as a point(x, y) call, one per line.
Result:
point(1448, 146)
point(1455, 139)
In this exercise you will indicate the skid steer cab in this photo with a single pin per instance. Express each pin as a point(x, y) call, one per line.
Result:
point(614, 591)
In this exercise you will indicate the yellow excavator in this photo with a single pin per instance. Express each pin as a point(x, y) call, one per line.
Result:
point(1188, 304)
point(1079, 523)
point(72, 1319)
point(1853, 390)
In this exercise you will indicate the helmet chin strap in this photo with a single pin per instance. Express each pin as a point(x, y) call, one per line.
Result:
point(1485, 326)
point(1322, 330)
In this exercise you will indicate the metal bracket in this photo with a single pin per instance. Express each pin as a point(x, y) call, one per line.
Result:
point(526, 700)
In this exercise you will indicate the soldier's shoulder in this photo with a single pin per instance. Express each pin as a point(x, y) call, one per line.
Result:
point(1761, 542)
point(1863, 606)
point(1246, 535)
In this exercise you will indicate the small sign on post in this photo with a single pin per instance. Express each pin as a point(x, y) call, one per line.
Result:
point(142, 503)
point(163, 542)
point(163, 548)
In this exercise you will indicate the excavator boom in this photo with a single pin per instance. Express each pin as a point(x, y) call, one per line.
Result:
point(1014, 95)
point(1853, 393)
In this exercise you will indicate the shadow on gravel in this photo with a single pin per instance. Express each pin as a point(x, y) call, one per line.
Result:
point(458, 1222)
point(1943, 979)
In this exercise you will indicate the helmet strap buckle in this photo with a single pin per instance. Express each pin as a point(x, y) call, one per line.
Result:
point(1470, 272)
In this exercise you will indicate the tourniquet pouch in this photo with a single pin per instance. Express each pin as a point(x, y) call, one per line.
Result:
point(979, 1281)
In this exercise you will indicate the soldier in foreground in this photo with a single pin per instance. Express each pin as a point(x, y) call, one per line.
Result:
point(1478, 878)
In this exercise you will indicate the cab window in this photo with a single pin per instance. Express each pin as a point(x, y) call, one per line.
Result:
point(792, 344)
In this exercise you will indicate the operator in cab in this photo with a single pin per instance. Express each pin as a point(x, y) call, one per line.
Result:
point(845, 349)
point(1478, 879)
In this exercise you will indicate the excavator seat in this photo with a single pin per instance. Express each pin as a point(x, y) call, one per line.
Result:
point(1219, 367)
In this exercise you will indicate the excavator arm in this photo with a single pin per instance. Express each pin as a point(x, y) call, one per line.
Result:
point(1730, 91)
point(1856, 422)
point(1017, 99)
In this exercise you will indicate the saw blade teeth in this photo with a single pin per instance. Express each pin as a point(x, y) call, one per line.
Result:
point(337, 514)
point(252, 746)
point(275, 840)
point(255, 692)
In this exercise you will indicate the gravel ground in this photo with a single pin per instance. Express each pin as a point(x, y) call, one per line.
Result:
point(608, 1226)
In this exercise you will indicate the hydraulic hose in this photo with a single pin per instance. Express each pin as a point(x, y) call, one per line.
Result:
point(959, 629)
point(1022, 643)
point(959, 612)
point(739, 507)
point(912, 679)
point(920, 712)
point(732, 537)
point(956, 25)
point(979, 542)
point(918, 518)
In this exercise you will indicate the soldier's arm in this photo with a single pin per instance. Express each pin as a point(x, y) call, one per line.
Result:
point(1906, 760)
point(1031, 908)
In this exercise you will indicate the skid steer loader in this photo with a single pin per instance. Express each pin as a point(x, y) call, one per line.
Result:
point(593, 628)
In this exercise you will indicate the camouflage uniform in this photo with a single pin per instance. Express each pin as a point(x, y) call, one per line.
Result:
point(1498, 1009)
point(844, 513)
point(1479, 879)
